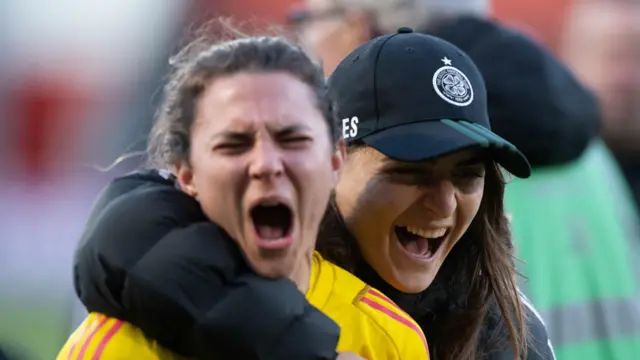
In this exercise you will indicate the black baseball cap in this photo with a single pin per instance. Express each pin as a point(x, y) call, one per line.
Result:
point(415, 97)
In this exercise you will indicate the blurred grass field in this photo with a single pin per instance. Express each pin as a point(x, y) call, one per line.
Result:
point(35, 327)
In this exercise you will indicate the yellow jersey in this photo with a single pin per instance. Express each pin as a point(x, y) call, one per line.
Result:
point(372, 326)
point(100, 337)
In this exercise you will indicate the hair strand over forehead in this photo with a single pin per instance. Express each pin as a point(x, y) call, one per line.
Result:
point(207, 58)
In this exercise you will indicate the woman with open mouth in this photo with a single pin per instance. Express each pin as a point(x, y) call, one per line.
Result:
point(418, 210)
point(249, 134)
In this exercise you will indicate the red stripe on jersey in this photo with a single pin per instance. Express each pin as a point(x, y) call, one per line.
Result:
point(86, 343)
point(379, 295)
point(401, 319)
point(76, 341)
point(106, 338)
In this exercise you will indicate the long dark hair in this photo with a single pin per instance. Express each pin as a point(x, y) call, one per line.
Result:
point(482, 270)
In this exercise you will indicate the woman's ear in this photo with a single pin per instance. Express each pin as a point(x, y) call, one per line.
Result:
point(184, 175)
point(337, 160)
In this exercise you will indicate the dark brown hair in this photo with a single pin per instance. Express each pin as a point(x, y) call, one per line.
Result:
point(207, 58)
point(482, 267)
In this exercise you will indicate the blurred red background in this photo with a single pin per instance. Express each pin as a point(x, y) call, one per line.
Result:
point(44, 109)
point(545, 16)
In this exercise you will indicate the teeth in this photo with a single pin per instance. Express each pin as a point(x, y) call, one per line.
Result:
point(429, 234)
point(270, 203)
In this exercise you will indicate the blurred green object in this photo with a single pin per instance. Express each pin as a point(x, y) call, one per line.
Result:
point(577, 230)
point(34, 324)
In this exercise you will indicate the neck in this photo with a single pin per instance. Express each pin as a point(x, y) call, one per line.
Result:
point(301, 274)
point(416, 305)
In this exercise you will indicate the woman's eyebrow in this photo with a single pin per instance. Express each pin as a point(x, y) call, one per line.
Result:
point(231, 135)
point(475, 160)
point(419, 168)
point(292, 129)
point(407, 168)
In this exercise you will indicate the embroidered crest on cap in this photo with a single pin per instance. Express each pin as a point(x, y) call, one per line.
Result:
point(452, 85)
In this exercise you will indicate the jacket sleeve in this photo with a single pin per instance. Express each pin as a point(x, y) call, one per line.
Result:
point(188, 293)
point(150, 258)
point(540, 347)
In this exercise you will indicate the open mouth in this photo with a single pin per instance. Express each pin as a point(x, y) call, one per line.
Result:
point(421, 243)
point(273, 224)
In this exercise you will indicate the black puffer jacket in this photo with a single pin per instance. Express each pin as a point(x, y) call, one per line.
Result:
point(149, 256)
point(146, 251)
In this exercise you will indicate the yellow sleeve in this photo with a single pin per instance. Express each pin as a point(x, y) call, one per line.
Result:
point(404, 333)
point(103, 338)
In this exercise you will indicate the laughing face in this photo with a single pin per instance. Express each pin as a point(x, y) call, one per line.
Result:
point(406, 217)
point(262, 166)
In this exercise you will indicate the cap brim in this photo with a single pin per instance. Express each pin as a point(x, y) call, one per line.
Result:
point(426, 140)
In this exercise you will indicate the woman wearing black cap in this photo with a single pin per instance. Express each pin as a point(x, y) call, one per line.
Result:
point(418, 211)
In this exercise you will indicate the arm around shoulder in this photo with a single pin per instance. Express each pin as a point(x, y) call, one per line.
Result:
point(118, 234)
point(150, 257)
point(194, 293)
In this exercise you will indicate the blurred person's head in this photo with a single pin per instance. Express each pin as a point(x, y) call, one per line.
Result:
point(531, 94)
point(331, 29)
point(420, 198)
point(247, 127)
point(602, 44)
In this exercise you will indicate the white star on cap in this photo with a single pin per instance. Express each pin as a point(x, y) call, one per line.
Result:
point(446, 61)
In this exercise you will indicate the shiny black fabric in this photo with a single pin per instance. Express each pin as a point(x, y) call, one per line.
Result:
point(149, 256)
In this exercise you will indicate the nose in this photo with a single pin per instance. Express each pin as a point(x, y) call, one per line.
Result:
point(266, 161)
point(440, 198)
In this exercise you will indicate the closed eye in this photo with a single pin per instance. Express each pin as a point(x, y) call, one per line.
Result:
point(469, 178)
point(293, 136)
point(295, 139)
point(469, 173)
point(232, 148)
point(230, 145)
point(407, 175)
point(233, 143)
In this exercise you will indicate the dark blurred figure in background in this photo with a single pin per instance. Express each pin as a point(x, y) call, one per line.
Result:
point(332, 28)
point(602, 44)
point(576, 195)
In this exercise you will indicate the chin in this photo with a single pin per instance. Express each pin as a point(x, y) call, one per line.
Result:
point(272, 271)
point(413, 288)
point(272, 266)
point(413, 283)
